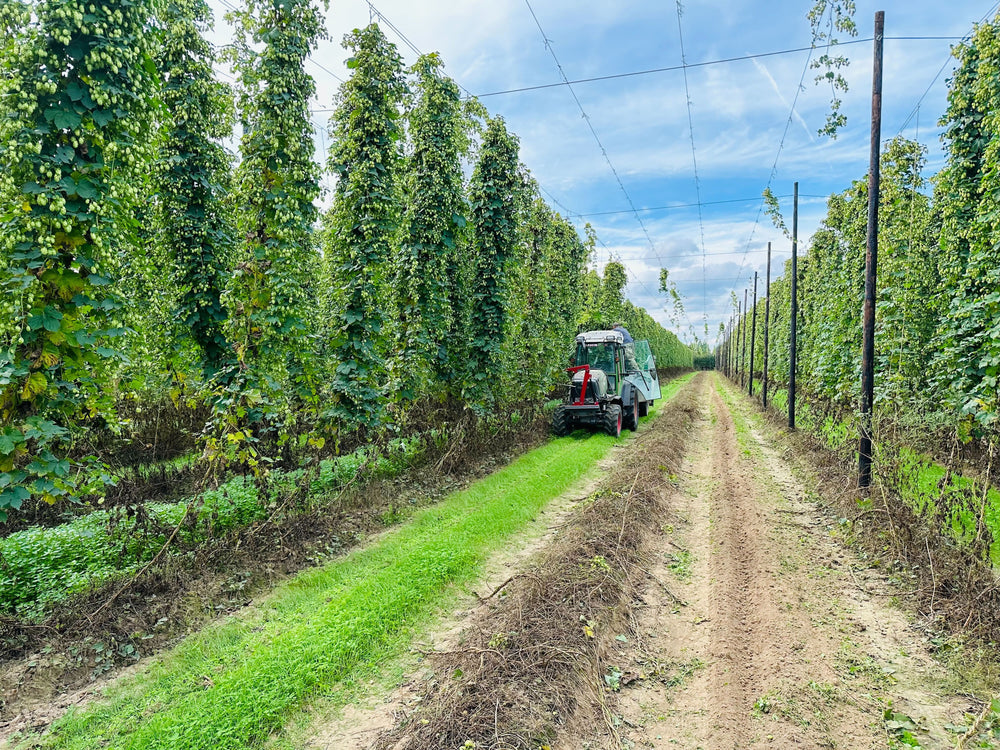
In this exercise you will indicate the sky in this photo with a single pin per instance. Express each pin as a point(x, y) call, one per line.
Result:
point(621, 153)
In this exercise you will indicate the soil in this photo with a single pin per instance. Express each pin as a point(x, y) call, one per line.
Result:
point(781, 636)
point(751, 623)
point(757, 625)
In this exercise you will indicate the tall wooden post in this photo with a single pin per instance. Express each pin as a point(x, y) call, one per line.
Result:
point(732, 356)
point(743, 355)
point(767, 321)
point(736, 354)
point(724, 352)
point(753, 332)
point(729, 349)
point(793, 321)
point(871, 266)
point(720, 360)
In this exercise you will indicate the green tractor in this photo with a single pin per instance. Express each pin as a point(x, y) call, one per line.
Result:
point(613, 384)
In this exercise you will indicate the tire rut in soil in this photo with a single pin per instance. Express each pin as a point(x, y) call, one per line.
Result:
point(736, 567)
point(760, 648)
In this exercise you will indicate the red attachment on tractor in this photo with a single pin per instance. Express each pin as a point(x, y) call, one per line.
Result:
point(586, 381)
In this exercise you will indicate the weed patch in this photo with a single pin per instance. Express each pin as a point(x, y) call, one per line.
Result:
point(234, 684)
point(43, 566)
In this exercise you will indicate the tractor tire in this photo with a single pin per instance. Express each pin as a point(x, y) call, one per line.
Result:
point(613, 420)
point(631, 418)
point(643, 408)
point(561, 426)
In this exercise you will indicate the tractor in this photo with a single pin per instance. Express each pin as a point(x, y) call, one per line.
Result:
point(612, 385)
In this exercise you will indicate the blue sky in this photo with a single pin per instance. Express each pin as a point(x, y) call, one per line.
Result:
point(739, 112)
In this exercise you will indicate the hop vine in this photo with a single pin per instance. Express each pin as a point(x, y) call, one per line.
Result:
point(827, 18)
point(277, 181)
point(79, 81)
point(193, 172)
point(366, 157)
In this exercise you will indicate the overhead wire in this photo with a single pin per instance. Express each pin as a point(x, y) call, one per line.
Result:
point(590, 126)
point(753, 199)
point(774, 165)
point(374, 11)
point(704, 63)
point(694, 160)
point(569, 213)
point(916, 107)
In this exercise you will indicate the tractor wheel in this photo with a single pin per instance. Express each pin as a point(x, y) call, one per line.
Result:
point(560, 422)
point(613, 420)
point(631, 418)
point(643, 408)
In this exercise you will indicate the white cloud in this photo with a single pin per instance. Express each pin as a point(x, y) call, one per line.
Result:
point(739, 110)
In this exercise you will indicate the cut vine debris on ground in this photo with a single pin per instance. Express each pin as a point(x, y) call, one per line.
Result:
point(511, 676)
point(775, 633)
point(748, 623)
point(237, 681)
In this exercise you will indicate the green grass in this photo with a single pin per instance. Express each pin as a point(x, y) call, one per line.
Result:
point(921, 480)
point(236, 683)
point(925, 483)
point(46, 565)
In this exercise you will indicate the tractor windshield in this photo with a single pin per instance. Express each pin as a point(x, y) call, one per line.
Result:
point(598, 356)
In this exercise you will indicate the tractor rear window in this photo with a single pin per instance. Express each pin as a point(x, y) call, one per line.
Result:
point(643, 356)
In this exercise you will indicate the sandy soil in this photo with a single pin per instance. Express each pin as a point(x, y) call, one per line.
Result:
point(758, 629)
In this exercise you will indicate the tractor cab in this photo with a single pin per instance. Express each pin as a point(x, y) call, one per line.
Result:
point(613, 383)
point(603, 352)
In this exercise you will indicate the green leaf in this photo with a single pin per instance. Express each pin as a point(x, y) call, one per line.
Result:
point(64, 119)
point(12, 497)
point(86, 189)
point(102, 117)
point(10, 438)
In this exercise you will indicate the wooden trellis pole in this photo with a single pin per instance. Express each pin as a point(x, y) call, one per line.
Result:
point(871, 266)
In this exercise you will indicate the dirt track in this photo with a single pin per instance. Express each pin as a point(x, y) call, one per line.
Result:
point(754, 626)
point(772, 633)
point(757, 627)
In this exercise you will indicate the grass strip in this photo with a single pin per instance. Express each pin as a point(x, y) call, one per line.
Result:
point(531, 660)
point(46, 565)
point(233, 684)
point(920, 481)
